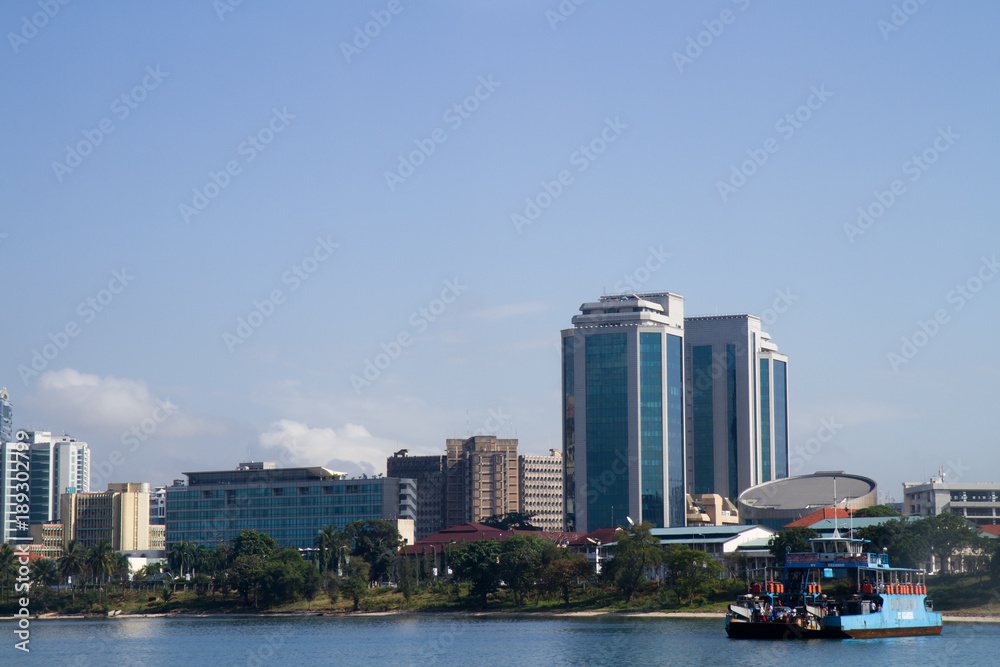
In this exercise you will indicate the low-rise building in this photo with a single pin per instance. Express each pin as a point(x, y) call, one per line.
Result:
point(977, 502)
point(292, 505)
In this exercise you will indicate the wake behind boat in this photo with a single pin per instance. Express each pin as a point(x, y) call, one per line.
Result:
point(868, 598)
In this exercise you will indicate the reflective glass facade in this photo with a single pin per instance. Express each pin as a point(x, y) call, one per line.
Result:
point(780, 419)
point(569, 431)
point(651, 425)
point(607, 429)
point(765, 421)
point(702, 415)
point(732, 432)
point(290, 510)
point(675, 430)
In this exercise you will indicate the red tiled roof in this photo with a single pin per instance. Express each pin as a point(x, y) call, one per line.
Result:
point(817, 516)
point(992, 530)
point(472, 532)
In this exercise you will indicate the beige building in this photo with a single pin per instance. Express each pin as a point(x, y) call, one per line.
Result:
point(541, 487)
point(119, 516)
point(711, 509)
point(482, 478)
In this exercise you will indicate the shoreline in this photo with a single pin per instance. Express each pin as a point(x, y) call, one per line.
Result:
point(947, 618)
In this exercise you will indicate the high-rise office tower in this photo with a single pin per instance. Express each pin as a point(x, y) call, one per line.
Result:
point(56, 466)
point(6, 417)
point(482, 479)
point(430, 474)
point(623, 412)
point(737, 405)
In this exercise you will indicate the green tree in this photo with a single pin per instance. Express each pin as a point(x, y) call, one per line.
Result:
point(691, 572)
point(512, 521)
point(559, 574)
point(479, 564)
point(520, 561)
point(245, 574)
point(252, 543)
point(354, 584)
point(405, 574)
point(791, 540)
point(101, 560)
point(8, 569)
point(312, 584)
point(904, 542)
point(45, 572)
point(376, 541)
point(71, 564)
point(633, 556)
point(874, 511)
point(282, 577)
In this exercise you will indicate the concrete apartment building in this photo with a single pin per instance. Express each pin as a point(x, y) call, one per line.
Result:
point(623, 412)
point(977, 502)
point(736, 405)
point(120, 516)
point(482, 479)
point(430, 474)
point(541, 486)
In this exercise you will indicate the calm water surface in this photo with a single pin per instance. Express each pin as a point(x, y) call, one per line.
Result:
point(456, 640)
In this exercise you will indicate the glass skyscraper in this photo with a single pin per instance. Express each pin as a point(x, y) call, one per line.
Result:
point(623, 412)
point(737, 405)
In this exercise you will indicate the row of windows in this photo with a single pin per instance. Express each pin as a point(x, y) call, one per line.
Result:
point(366, 499)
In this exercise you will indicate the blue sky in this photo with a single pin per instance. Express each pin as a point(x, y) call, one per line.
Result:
point(353, 256)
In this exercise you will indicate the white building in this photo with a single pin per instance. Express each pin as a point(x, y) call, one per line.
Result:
point(979, 502)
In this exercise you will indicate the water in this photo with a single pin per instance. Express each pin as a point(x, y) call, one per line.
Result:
point(461, 640)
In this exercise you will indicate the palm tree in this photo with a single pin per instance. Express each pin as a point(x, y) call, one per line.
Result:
point(121, 568)
point(326, 542)
point(180, 555)
point(101, 560)
point(72, 563)
point(8, 569)
point(45, 572)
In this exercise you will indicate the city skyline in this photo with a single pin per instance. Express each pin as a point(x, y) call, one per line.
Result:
point(323, 235)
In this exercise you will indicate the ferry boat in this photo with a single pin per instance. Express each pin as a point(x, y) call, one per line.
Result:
point(867, 598)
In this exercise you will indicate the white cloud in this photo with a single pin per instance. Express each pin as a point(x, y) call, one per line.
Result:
point(111, 405)
point(351, 449)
